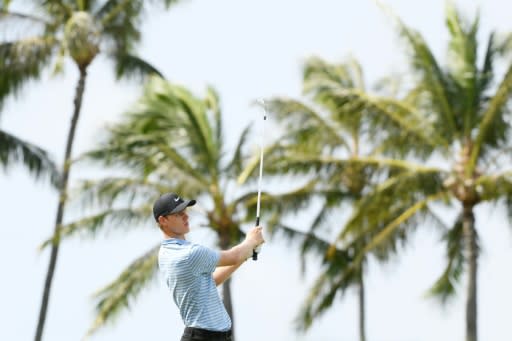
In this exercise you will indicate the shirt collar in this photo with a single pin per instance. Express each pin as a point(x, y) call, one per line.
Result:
point(175, 241)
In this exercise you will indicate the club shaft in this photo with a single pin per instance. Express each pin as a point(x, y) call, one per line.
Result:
point(258, 203)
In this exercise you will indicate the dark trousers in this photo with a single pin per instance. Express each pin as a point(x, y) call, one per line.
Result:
point(197, 334)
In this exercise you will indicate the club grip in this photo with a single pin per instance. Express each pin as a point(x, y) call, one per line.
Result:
point(255, 251)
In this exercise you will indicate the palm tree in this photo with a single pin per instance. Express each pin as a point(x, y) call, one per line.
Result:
point(458, 114)
point(327, 141)
point(80, 30)
point(171, 141)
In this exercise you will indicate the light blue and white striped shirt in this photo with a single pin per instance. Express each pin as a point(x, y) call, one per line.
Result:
point(187, 270)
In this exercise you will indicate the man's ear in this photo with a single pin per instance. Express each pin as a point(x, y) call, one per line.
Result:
point(161, 220)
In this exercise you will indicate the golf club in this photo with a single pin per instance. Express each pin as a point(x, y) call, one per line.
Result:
point(258, 204)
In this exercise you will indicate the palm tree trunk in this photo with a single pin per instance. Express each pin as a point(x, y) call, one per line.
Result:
point(226, 286)
point(226, 293)
point(62, 201)
point(362, 317)
point(472, 257)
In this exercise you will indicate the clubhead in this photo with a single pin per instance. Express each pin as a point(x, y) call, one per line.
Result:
point(261, 103)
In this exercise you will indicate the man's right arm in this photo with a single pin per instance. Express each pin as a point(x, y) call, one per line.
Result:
point(239, 253)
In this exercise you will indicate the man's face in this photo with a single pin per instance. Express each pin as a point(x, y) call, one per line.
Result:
point(175, 224)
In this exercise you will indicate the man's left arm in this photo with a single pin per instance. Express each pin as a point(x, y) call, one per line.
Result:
point(222, 273)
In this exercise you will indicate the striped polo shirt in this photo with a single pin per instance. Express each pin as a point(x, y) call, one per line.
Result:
point(187, 270)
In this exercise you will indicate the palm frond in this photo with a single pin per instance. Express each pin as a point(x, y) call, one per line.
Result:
point(339, 165)
point(212, 101)
point(119, 20)
point(22, 61)
point(309, 242)
point(113, 152)
point(302, 124)
point(393, 203)
point(307, 312)
point(13, 150)
point(493, 126)
point(115, 10)
point(497, 188)
point(487, 73)
point(198, 118)
point(445, 287)
point(167, 136)
point(289, 201)
point(106, 221)
point(436, 83)
point(120, 23)
point(399, 222)
point(392, 86)
point(348, 74)
point(235, 166)
point(107, 191)
point(392, 121)
point(130, 66)
point(330, 283)
point(10, 15)
point(60, 10)
point(190, 120)
point(182, 164)
point(462, 65)
point(110, 9)
point(118, 295)
point(146, 153)
point(494, 186)
point(271, 152)
point(322, 79)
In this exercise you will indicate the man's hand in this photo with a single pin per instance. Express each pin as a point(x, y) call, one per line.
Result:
point(243, 251)
point(255, 236)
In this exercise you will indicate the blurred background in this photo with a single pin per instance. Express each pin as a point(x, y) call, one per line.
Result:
point(245, 50)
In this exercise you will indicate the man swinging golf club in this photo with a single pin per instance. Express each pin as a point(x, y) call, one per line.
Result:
point(192, 271)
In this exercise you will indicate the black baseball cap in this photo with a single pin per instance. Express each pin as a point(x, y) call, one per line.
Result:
point(170, 203)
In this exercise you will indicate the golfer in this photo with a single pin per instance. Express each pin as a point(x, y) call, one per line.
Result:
point(192, 271)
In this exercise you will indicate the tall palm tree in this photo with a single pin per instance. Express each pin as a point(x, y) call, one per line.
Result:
point(459, 115)
point(327, 141)
point(171, 141)
point(79, 29)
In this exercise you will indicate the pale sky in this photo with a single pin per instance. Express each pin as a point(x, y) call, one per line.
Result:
point(246, 50)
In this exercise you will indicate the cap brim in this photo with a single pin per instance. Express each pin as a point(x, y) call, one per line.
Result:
point(183, 205)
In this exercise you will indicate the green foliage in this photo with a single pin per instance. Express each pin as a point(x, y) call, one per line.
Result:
point(445, 287)
point(132, 66)
point(338, 142)
point(372, 145)
point(37, 161)
point(336, 277)
point(465, 119)
point(119, 294)
point(77, 29)
point(86, 29)
point(21, 61)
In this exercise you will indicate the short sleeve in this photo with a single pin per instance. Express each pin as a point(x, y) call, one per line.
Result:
point(203, 259)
